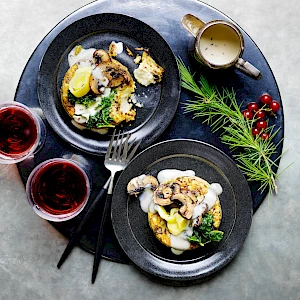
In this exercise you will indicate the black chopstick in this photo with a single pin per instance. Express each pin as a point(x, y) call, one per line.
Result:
point(77, 235)
point(101, 236)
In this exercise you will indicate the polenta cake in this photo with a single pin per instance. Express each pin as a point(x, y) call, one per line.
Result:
point(184, 212)
point(97, 90)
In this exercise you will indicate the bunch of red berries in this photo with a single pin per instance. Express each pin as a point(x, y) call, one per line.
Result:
point(259, 114)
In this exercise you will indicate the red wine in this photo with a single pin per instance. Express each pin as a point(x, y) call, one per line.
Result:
point(59, 187)
point(18, 131)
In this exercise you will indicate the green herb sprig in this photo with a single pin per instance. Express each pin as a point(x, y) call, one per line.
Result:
point(206, 233)
point(220, 110)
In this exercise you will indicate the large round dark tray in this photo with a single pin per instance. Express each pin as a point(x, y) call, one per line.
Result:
point(164, 17)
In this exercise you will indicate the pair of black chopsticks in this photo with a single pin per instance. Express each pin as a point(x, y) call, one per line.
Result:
point(102, 232)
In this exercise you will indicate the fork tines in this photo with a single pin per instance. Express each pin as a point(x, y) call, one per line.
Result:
point(121, 146)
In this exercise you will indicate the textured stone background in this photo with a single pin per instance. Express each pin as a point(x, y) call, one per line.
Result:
point(267, 267)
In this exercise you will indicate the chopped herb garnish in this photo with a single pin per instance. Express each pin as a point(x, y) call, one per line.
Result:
point(206, 232)
point(86, 100)
point(102, 118)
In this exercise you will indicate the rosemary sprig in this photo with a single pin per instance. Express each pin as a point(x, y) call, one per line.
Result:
point(220, 110)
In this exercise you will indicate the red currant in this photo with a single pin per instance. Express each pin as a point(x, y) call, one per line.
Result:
point(252, 106)
point(261, 124)
point(247, 114)
point(264, 136)
point(265, 99)
point(260, 114)
point(274, 105)
point(255, 131)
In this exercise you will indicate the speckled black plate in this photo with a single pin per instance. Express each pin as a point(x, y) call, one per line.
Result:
point(131, 224)
point(159, 101)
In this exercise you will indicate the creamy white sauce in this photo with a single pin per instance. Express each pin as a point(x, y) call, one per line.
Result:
point(146, 199)
point(219, 44)
point(85, 55)
point(105, 92)
point(180, 241)
point(125, 106)
point(198, 210)
point(86, 112)
point(176, 252)
point(167, 174)
point(152, 207)
point(217, 188)
point(86, 63)
point(102, 80)
point(80, 119)
point(210, 198)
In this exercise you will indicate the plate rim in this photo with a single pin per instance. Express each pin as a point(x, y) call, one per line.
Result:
point(181, 272)
point(96, 146)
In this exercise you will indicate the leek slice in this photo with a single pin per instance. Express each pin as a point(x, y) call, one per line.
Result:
point(80, 82)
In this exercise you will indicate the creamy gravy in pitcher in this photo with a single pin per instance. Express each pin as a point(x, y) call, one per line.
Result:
point(219, 44)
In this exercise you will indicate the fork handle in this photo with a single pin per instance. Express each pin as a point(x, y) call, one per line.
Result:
point(101, 236)
point(77, 235)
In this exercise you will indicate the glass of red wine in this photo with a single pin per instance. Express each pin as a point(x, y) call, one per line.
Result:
point(22, 132)
point(58, 189)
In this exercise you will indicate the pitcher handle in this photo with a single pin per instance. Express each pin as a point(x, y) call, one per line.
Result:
point(192, 24)
point(247, 68)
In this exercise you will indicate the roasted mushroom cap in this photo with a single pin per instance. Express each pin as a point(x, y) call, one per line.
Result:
point(175, 187)
point(112, 73)
point(162, 195)
point(101, 57)
point(186, 204)
point(138, 184)
point(162, 198)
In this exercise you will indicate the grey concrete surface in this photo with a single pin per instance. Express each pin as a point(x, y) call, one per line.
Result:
point(267, 267)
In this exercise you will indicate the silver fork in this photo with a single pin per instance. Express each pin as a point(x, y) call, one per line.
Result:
point(117, 157)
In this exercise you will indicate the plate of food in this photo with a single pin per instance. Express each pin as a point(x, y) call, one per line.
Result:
point(181, 211)
point(105, 71)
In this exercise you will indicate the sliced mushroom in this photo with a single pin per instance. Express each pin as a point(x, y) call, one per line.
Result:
point(159, 198)
point(98, 81)
point(101, 57)
point(176, 188)
point(187, 205)
point(115, 73)
point(192, 196)
point(138, 184)
point(198, 221)
point(167, 192)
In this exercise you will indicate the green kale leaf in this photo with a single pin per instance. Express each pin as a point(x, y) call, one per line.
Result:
point(86, 100)
point(206, 233)
point(102, 118)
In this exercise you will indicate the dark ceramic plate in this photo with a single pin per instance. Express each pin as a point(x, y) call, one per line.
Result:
point(131, 224)
point(159, 101)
